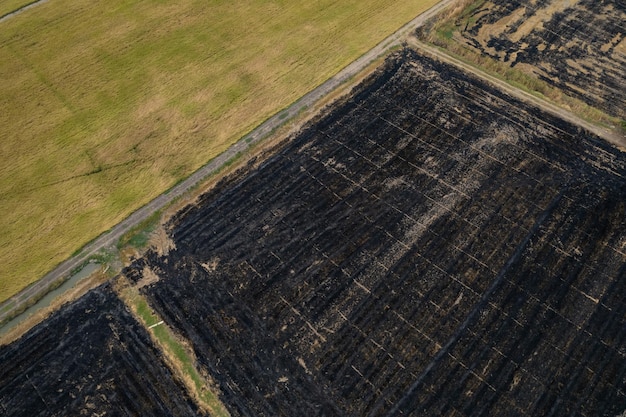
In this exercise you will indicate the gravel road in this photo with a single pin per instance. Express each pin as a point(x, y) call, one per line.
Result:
point(606, 134)
point(41, 287)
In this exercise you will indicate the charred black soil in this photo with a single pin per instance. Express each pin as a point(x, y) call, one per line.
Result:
point(577, 46)
point(92, 358)
point(430, 246)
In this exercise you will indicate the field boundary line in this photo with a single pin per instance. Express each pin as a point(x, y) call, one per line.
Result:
point(442, 55)
point(9, 307)
point(19, 10)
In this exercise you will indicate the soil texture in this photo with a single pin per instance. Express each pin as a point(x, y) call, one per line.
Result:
point(430, 246)
point(90, 359)
point(578, 46)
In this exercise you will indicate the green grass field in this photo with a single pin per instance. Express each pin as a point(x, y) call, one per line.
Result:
point(106, 104)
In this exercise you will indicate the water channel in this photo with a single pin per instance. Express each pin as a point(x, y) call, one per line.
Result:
point(87, 270)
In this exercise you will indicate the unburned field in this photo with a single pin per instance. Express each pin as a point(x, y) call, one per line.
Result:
point(9, 6)
point(430, 246)
point(106, 104)
point(91, 358)
point(578, 47)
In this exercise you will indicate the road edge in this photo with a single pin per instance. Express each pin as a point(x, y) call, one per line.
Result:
point(15, 305)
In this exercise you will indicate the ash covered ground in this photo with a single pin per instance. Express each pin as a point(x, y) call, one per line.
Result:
point(429, 247)
point(578, 46)
point(90, 359)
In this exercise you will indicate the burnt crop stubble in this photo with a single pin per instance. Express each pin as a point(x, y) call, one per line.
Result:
point(106, 105)
point(430, 246)
point(90, 358)
point(578, 47)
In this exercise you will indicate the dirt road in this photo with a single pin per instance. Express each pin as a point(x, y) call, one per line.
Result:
point(16, 303)
point(9, 307)
point(606, 134)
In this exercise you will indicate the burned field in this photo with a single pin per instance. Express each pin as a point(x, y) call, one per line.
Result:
point(91, 358)
point(430, 246)
point(577, 46)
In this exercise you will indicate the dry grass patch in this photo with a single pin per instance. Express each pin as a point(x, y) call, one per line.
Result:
point(9, 6)
point(452, 30)
point(107, 104)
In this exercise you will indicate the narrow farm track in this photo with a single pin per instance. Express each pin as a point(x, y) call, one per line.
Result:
point(430, 246)
point(577, 47)
point(607, 134)
point(17, 302)
point(436, 243)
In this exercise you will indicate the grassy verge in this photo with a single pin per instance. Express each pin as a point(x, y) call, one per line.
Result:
point(178, 355)
point(107, 104)
point(139, 235)
point(444, 33)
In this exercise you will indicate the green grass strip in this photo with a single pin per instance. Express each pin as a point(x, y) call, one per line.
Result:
point(177, 352)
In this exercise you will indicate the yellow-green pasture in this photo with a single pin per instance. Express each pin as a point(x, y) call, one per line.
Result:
point(8, 6)
point(106, 104)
